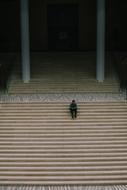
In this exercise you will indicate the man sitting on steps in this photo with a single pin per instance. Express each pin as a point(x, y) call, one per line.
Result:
point(73, 109)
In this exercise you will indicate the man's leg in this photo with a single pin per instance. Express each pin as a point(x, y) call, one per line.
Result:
point(72, 113)
point(75, 113)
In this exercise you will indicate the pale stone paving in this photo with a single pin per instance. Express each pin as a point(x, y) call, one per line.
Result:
point(66, 97)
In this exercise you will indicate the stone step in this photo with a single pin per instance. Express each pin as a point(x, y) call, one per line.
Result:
point(39, 159)
point(66, 127)
point(63, 109)
point(37, 79)
point(87, 156)
point(71, 150)
point(67, 118)
point(67, 124)
point(60, 113)
point(52, 131)
point(47, 138)
point(56, 114)
point(55, 162)
point(62, 135)
point(61, 86)
point(66, 182)
point(69, 121)
point(47, 179)
point(64, 166)
point(71, 142)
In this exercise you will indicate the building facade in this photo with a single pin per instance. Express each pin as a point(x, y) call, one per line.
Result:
point(63, 25)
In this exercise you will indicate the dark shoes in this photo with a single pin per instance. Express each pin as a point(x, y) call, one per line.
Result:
point(74, 116)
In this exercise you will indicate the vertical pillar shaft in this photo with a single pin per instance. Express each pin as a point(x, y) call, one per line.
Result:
point(100, 73)
point(25, 47)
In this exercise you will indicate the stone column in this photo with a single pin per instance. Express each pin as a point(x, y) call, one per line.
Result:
point(100, 66)
point(25, 46)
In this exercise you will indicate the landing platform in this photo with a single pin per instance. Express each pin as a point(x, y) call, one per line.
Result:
point(63, 73)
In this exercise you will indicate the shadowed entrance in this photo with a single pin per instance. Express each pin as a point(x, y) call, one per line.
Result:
point(63, 27)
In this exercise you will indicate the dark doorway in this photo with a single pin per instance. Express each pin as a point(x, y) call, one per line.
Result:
point(63, 27)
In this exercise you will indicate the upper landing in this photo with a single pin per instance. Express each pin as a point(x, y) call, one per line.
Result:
point(63, 73)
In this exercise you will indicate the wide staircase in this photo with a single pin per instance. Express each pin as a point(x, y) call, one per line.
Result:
point(41, 145)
